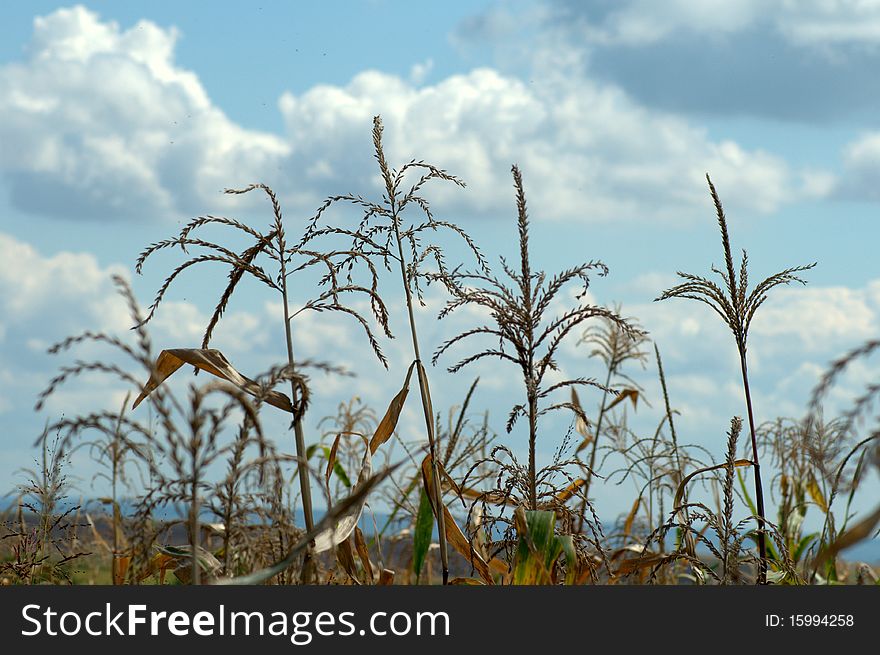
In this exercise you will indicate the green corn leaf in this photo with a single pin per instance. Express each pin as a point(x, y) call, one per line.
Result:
point(423, 532)
point(538, 547)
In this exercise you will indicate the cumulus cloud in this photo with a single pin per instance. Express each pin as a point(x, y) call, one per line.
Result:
point(803, 22)
point(63, 290)
point(794, 337)
point(861, 159)
point(586, 150)
point(823, 23)
point(100, 122)
point(819, 318)
point(103, 123)
point(804, 321)
point(806, 61)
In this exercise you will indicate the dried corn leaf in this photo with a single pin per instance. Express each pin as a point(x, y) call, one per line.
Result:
point(570, 490)
point(363, 553)
point(345, 557)
point(331, 459)
point(178, 559)
point(392, 414)
point(449, 483)
point(337, 467)
point(816, 493)
point(632, 394)
point(580, 423)
point(119, 567)
point(346, 522)
point(96, 536)
point(491, 497)
point(213, 362)
point(636, 563)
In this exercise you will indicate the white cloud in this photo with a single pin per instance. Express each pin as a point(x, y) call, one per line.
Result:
point(818, 318)
point(639, 22)
point(587, 151)
point(59, 290)
point(813, 23)
point(830, 22)
point(861, 159)
point(100, 122)
point(105, 124)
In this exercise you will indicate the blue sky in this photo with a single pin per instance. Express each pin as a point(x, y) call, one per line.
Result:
point(120, 121)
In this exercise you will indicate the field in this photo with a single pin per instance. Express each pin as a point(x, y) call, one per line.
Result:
point(463, 507)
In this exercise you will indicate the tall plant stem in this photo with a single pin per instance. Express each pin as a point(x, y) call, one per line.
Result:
point(592, 461)
point(533, 434)
point(194, 520)
point(301, 461)
point(426, 406)
point(115, 456)
point(669, 413)
point(529, 376)
point(759, 489)
point(688, 538)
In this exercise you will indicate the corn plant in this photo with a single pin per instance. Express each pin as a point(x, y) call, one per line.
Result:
point(273, 245)
point(384, 234)
point(737, 307)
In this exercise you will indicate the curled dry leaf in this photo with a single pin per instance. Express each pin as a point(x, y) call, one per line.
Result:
point(345, 557)
point(348, 520)
point(491, 497)
point(580, 422)
point(644, 560)
point(816, 493)
point(632, 394)
point(214, 362)
point(178, 559)
point(392, 414)
point(363, 552)
point(570, 490)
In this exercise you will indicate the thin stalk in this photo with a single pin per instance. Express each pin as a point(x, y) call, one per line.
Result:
point(668, 413)
point(194, 519)
point(759, 489)
point(116, 454)
point(114, 562)
point(227, 539)
point(592, 462)
point(529, 373)
point(687, 536)
point(533, 411)
point(301, 461)
point(426, 403)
